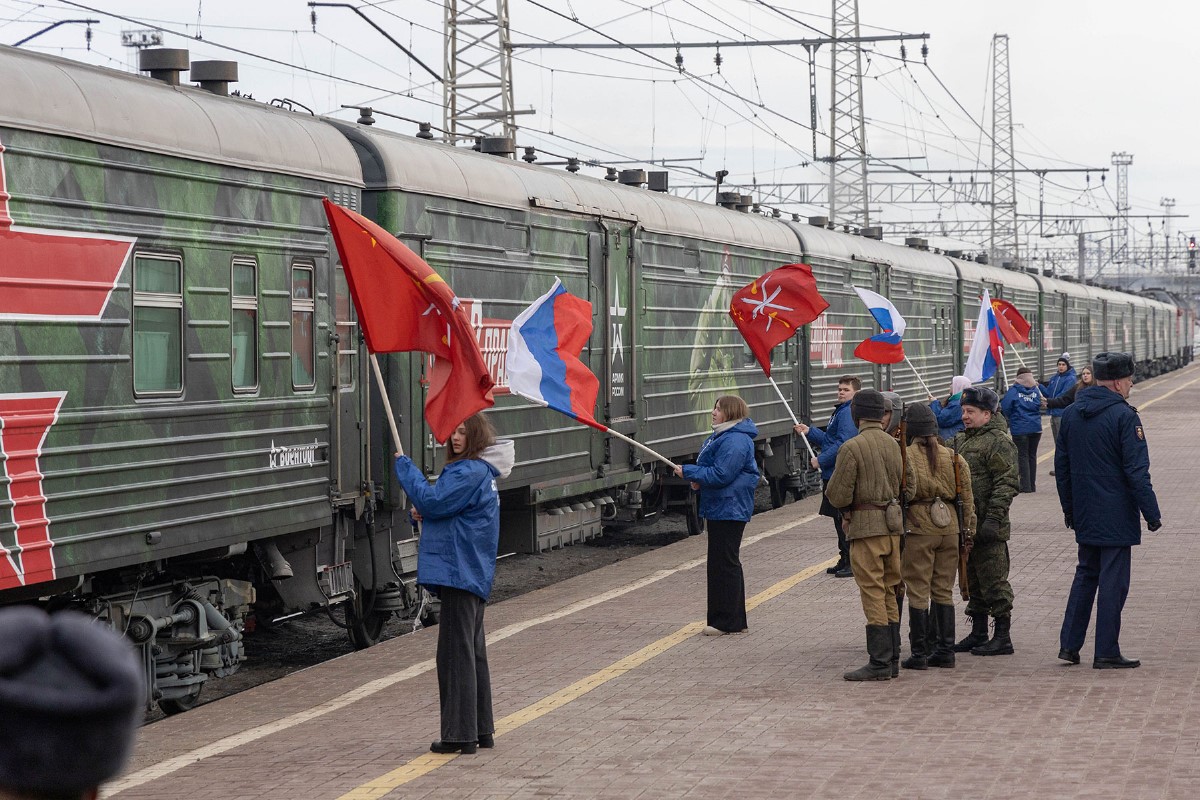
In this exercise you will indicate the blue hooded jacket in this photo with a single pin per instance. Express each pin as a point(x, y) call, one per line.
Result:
point(1102, 467)
point(1057, 387)
point(460, 528)
point(727, 473)
point(839, 428)
point(949, 416)
point(1022, 408)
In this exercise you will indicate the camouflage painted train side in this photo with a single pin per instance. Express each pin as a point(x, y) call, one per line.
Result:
point(189, 431)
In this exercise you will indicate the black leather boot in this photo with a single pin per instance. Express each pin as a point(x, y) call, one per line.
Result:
point(977, 636)
point(879, 648)
point(1001, 643)
point(894, 627)
point(943, 650)
point(918, 639)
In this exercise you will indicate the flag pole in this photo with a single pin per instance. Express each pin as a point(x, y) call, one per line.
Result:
point(1018, 355)
point(924, 385)
point(792, 414)
point(603, 429)
point(387, 405)
point(1003, 369)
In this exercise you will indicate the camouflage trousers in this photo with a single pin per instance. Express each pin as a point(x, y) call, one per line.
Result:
point(987, 578)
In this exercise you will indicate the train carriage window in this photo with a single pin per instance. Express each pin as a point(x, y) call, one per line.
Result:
point(304, 354)
point(347, 331)
point(244, 325)
point(157, 325)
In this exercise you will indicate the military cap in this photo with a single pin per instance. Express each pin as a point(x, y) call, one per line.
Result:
point(921, 421)
point(868, 404)
point(1112, 366)
point(893, 401)
point(71, 694)
point(981, 397)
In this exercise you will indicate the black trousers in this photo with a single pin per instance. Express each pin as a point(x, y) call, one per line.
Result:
point(726, 585)
point(828, 510)
point(464, 683)
point(1105, 569)
point(1027, 445)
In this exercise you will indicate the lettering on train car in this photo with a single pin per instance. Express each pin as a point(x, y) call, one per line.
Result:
point(827, 340)
point(617, 359)
point(48, 275)
point(492, 335)
point(297, 455)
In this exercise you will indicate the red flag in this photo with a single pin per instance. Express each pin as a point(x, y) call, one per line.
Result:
point(1013, 327)
point(404, 305)
point(771, 309)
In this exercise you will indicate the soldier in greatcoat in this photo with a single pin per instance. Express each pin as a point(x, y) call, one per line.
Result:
point(865, 485)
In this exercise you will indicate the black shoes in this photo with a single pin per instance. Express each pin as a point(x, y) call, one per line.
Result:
point(455, 747)
point(844, 572)
point(1117, 662)
point(1070, 656)
point(838, 567)
point(978, 635)
point(487, 740)
point(1001, 642)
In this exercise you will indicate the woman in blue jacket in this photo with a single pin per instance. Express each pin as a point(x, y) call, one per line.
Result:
point(727, 476)
point(949, 414)
point(1022, 407)
point(456, 560)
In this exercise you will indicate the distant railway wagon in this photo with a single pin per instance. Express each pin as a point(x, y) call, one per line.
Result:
point(190, 437)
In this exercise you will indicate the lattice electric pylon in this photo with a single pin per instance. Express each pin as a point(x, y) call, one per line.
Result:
point(848, 197)
point(1121, 234)
point(478, 87)
point(1004, 241)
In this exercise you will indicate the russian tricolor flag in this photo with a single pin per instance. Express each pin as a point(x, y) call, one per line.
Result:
point(543, 355)
point(987, 348)
point(885, 347)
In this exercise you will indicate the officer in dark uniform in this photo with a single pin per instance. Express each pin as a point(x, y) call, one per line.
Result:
point(1102, 467)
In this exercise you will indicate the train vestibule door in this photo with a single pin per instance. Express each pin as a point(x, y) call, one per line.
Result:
point(619, 374)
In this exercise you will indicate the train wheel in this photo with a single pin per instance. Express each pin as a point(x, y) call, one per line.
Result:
point(365, 629)
point(181, 704)
point(695, 523)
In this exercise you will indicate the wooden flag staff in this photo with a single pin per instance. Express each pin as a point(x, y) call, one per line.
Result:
point(792, 414)
point(387, 405)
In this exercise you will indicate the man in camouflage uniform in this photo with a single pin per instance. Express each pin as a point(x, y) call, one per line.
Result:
point(992, 457)
point(865, 485)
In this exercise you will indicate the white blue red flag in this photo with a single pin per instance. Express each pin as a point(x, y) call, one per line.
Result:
point(987, 348)
point(885, 347)
point(543, 355)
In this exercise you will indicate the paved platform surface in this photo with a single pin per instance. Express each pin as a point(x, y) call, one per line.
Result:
point(604, 689)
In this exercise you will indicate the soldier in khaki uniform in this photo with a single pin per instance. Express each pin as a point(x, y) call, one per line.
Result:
point(865, 485)
point(930, 557)
point(992, 456)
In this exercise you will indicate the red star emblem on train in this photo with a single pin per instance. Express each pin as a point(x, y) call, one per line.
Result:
point(51, 275)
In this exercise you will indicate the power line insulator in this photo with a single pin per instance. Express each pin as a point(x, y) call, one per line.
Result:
point(679, 60)
point(925, 52)
point(903, 53)
point(717, 59)
point(313, 16)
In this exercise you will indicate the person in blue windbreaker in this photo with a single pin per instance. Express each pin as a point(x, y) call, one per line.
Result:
point(1103, 474)
point(726, 475)
point(456, 560)
point(1058, 385)
point(839, 428)
point(949, 414)
point(1022, 407)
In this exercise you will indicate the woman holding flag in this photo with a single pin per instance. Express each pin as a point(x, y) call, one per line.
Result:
point(456, 560)
point(726, 475)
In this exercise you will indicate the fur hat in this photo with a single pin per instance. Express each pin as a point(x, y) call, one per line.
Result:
point(921, 421)
point(868, 404)
point(897, 408)
point(981, 397)
point(1112, 366)
point(71, 695)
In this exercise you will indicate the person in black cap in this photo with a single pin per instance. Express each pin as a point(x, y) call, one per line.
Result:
point(986, 447)
point(1103, 473)
point(1057, 386)
point(71, 695)
point(865, 486)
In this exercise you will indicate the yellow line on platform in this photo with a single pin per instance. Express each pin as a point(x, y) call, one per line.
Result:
point(422, 765)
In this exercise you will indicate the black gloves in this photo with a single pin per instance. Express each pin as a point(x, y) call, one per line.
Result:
point(1069, 521)
point(989, 531)
point(1153, 526)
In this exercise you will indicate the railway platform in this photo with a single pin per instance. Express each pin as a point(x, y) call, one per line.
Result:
point(604, 687)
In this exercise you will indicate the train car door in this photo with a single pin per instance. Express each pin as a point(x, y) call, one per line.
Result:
point(348, 449)
point(619, 378)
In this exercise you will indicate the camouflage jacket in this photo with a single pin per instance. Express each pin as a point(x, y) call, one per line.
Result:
point(867, 470)
point(929, 484)
point(990, 453)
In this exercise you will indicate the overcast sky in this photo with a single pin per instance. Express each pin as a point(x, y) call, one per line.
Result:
point(1088, 79)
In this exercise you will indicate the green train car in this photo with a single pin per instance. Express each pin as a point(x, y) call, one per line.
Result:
point(189, 434)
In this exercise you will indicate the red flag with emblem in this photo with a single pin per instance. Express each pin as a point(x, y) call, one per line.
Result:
point(772, 308)
point(1013, 327)
point(403, 305)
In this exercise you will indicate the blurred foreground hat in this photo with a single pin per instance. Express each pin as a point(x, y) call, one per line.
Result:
point(71, 697)
point(981, 397)
point(868, 404)
point(921, 421)
point(1112, 366)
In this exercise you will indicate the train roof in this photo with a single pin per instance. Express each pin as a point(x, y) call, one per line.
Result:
point(818, 242)
point(417, 165)
point(63, 97)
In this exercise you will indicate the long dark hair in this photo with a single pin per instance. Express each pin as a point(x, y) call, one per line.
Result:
point(480, 436)
point(930, 445)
